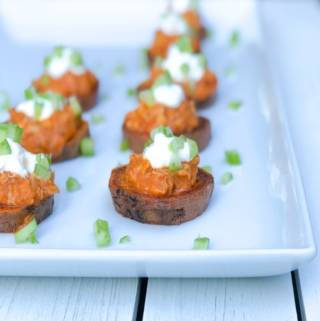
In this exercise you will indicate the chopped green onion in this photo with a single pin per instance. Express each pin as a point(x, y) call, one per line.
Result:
point(158, 62)
point(124, 239)
point(42, 172)
point(38, 110)
point(185, 69)
point(166, 131)
point(45, 80)
point(72, 184)
point(207, 168)
point(184, 44)
point(192, 87)
point(235, 105)
point(132, 92)
point(193, 147)
point(232, 157)
point(47, 61)
point(87, 147)
point(177, 143)
point(148, 142)
point(5, 102)
point(124, 145)
point(75, 105)
point(234, 38)
point(3, 133)
point(210, 33)
point(97, 119)
point(56, 99)
point(203, 61)
point(226, 178)
point(164, 79)
point(102, 233)
point(30, 93)
point(27, 233)
point(118, 70)
point(58, 51)
point(175, 164)
point(147, 97)
point(144, 59)
point(44, 160)
point(201, 243)
point(11, 131)
point(76, 59)
point(5, 148)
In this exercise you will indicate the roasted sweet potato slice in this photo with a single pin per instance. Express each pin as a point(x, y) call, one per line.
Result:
point(167, 210)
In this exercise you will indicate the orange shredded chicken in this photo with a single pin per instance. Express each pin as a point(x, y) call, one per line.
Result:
point(19, 191)
point(50, 135)
point(141, 177)
point(193, 20)
point(69, 84)
point(144, 119)
point(162, 42)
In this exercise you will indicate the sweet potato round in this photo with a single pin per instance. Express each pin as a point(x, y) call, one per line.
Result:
point(201, 134)
point(13, 217)
point(89, 101)
point(72, 148)
point(170, 210)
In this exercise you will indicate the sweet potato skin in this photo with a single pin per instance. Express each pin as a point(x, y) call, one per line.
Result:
point(168, 210)
point(11, 217)
point(72, 148)
point(201, 134)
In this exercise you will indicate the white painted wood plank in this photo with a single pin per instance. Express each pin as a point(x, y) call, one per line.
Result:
point(67, 299)
point(264, 299)
point(293, 30)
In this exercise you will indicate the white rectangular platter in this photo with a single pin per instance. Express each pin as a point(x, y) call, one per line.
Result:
point(258, 225)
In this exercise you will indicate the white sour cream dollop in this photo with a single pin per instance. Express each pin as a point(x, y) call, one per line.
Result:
point(171, 95)
point(60, 64)
point(172, 23)
point(176, 59)
point(19, 162)
point(159, 154)
point(28, 107)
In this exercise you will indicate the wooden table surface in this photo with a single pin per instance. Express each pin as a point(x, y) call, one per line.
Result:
point(292, 31)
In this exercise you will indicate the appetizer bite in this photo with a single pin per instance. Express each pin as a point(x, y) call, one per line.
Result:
point(189, 11)
point(165, 104)
point(26, 182)
point(66, 75)
point(164, 184)
point(187, 68)
point(51, 124)
point(172, 27)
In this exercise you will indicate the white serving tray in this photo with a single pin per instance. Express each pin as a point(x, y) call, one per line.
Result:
point(258, 225)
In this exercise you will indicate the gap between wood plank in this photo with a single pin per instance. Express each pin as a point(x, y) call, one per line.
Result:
point(141, 298)
point(298, 296)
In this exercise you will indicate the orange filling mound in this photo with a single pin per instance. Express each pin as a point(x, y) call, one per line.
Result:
point(193, 20)
point(69, 84)
point(50, 135)
point(140, 177)
point(202, 90)
point(182, 119)
point(21, 191)
point(162, 42)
